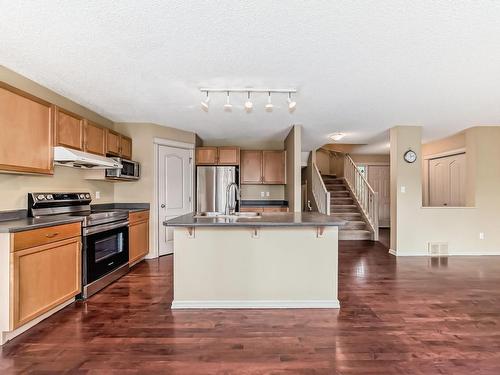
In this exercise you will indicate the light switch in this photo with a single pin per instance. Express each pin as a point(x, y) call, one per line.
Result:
point(97, 195)
point(403, 189)
point(267, 194)
point(481, 235)
point(262, 194)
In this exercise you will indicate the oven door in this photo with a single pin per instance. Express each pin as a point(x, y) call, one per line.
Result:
point(105, 249)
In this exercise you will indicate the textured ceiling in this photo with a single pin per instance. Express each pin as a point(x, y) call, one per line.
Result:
point(361, 67)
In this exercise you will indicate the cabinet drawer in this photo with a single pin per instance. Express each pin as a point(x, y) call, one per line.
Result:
point(42, 236)
point(134, 217)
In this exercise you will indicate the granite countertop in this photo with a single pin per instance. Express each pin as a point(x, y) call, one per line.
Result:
point(18, 220)
point(280, 219)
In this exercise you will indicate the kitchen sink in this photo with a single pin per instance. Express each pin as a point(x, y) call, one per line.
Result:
point(236, 215)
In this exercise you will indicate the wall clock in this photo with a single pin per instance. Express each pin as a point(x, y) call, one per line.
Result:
point(410, 156)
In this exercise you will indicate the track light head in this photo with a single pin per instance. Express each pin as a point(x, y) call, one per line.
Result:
point(248, 104)
point(204, 103)
point(228, 107)
point(269, 106)
point(291, 104)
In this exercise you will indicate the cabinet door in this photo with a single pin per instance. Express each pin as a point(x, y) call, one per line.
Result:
point(125, 147)
point(26, 131)
point(69, 129)
point(95, 139)
point(138, 240)
point(251, 167)
point(43, 277)
point(274, 167)
point(251, 209)
point(206, 155)
point(113, 143)
point(229, 156)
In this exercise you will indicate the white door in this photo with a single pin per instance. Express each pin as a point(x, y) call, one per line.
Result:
point(379, 180)
point(175, 189)
point(447, 181)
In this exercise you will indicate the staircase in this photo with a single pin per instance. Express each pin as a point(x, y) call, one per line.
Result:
point(344, 206)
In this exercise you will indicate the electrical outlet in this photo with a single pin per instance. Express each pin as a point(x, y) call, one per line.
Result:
point(97, 195)
point(403, 189)
point(267, 194)
point(481, 235)
point(262, 194)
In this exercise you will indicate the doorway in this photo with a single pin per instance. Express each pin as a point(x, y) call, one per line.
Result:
point(379, 180)
point(174, 189)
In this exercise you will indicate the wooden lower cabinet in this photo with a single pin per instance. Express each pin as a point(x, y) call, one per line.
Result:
point(44, 277)
point(138, 236)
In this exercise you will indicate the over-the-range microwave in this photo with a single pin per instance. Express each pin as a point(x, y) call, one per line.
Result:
point(130, 170)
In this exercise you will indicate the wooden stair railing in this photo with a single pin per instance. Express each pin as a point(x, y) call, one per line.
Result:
point(366, 198)
point(320, 193)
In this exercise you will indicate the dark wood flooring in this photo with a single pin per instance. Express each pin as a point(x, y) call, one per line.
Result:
point(398, 316)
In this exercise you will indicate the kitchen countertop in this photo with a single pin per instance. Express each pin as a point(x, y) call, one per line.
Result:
point(22, 223)
point(281, 219)
point(18, 220)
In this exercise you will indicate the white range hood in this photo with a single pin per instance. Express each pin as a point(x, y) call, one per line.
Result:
point(78, 159)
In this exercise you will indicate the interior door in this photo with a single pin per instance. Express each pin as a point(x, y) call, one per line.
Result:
point(447, 181)
point(379, 180)
point(174, 191)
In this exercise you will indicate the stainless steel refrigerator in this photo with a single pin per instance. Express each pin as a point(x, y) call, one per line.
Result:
point(211, 187)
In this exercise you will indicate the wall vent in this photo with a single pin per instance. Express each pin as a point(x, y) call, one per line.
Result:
point(437, 249)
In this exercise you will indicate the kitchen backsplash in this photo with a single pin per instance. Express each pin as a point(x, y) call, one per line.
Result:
point(253, 192)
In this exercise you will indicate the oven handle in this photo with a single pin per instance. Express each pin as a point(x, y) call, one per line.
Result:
point(104, 227)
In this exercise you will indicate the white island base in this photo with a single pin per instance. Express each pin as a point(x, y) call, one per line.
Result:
point(251, 267)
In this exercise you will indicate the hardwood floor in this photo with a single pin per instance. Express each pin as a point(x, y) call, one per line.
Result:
point(398, 316)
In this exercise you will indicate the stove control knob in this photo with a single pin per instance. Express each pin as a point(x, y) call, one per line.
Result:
point(40, 197)
point(82, 196)
point(87, 196)
point(49, 196)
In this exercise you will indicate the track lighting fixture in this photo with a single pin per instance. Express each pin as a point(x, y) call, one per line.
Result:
point(228, 106)
point(248, 104)
point(204, 103)
point(291, 104)
point(269, 106)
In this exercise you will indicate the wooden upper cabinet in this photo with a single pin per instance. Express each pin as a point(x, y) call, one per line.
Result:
point(206, 155)
point(229, 156)
point(69, 129)
point(274, 167)
point(95, 139)
point(26, 128)
point(251, 167)
point(113, 143)
point(125, 147)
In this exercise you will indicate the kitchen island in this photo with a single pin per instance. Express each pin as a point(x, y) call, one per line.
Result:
point(274, 260)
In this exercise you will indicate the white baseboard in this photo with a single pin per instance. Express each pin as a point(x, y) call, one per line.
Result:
point(257, 304)
point(423, 253)
point(7, 336)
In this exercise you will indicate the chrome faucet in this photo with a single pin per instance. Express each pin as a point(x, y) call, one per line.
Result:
point(231, 208)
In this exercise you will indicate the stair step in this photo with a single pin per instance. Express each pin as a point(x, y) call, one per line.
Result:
point(328, 175)
point(347, 215)
point(336, 188)
point(340, 194)
point(333, 181)
point(354, 234)
point(334, 208)
point(354, 224)
point(341, 200)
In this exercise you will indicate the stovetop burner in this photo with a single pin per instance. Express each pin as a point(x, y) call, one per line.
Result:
point(71, 204)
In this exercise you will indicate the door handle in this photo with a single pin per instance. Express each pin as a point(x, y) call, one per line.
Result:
point(163, 205)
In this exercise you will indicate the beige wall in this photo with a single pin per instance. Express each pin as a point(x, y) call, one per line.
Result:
point(247, 144)
point(293, 146)
point(413, 226)
point(14, 188)
point(252, 192)
point(143, 190)
point(371, 159)
point(454, 142)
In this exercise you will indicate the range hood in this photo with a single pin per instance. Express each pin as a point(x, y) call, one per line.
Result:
point(84, 160)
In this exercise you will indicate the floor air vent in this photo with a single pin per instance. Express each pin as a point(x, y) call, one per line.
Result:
point(437, 249)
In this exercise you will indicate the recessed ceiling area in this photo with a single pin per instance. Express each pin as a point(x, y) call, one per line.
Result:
point(359, 67)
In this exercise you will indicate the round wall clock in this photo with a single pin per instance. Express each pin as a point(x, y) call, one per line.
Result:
point(410, 156)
